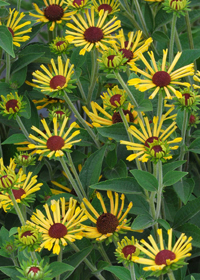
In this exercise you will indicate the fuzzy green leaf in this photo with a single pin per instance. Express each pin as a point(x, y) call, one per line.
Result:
point(172, 165)
point(122, 273)
point(116, 131)
point(146, 180)
point(58, 268)
point(191, 230)
point(172, 177)
point(142, 221)
point(195, 146)
point(117, 171)
point(184, 189)
point(6, 40)
point(15, 138)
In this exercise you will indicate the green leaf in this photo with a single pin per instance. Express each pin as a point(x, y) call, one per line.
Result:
point(58, 268)
point(187, 57)
point(191, 230)
point(146, 180)
point(4, 89)
point(160, 36)
point(172, 165)
point(118, 171)
point(145, 106)
point(172, 177)
point(13, 231)
point(19, 77)
point(195, 146)
point(6, 40)
point(92, 168)
point(186, 212)
point(3, 3)
point(180, 119)
point(162, 18)
point(76, 59)
point(33, 121)
point(75, 260)
point(15, 138)
point(122, 185)
point(164, 224)
point(10, 271)
point(111, 158)
point(26, 113)
point(142, 221)
point(184, 188)
point(122, 273)
point(148, 17)
point(116, 131)
point(86, 139)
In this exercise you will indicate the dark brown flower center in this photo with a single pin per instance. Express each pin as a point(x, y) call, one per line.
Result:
point(7, 180)
point(33, 269)
point(57, 81)
point(164, 255)
point(93, 34)
point(157, 149)
point(116, 118)
point(59, 113)
point(55, 143)
point(186, 96)
point(110, 58)
point(57, 230)
point(53, 12)
point(114, 98)
point(127, 54)
point(11, 31)
point(105, 7)
point(107, 223)
point(126, 44)
point(150, 140)
point(128, 250)
point(161, 79)
point(18, 193)
point(25, 156)
point(27, 233)
point(192, 119)
point(78, 2)
point(12, 104)
point(59, 43)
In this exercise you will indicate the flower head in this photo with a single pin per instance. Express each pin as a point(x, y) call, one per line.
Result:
point(189, 101)
point(12, 105)
point(8, 177)
point(58, 225)
point(53, 82)
point(54, 12)
point(179, 7)
point(196, 78)
point(165, 258)
point(53, 144)
point(161, 78)
point(59, 112)
point(114, 98)
point(194, 119)
point(134, 45)
point(90, 34)
point(112, 6)
point(24, 159)
point(153, 140)
point(109, 223)
point(14, 27)
point(60, 45)
point(126, 250)
point(78, 5)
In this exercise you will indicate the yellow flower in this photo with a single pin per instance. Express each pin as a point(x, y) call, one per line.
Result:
point(110, 223)
point(54, 12)
point(53, 144)
point(114, 98)
point(107, 119)
point(12, 105)
point(132, 47)
point(196, 78)
point(53, 82)
point(161, 259)
point(148, 136)
point(90, 34)
point(59, 226)
point(162, 78)
point(78, 5)
point(112, 6)
point(23, 191)
point(14, 26)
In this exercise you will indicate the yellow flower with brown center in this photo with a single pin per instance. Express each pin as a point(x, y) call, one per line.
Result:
point(22, 191)
point(112, 6)
point(109, 223)
point(89, 34)
point(14, 27)
point(147, 135)
point(12, 105)
point(59, 226)
point(132, 46)
point(162, 78)
point(53, 82)
point(53, 144)
point(54, 12)
point(100, 117)
point(78, 5)
point(165, 258)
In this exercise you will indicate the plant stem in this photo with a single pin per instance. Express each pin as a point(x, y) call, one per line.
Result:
point(71, 164)
point(17, 209)
point(81, 120)
point(71, 179)
point(183, 135)
point(103, 253)
point(23, 129)
point(129, 14)
point(93, 78)
point(171, 275)
point(160, 188)
point(189, 32)
point(139, 12)
point(132, 271)
point(160, 105)
point(59, 259)
point(88, 263)
point(178, 42)
point(18, 5)
point(171, 43)
point(8, 65)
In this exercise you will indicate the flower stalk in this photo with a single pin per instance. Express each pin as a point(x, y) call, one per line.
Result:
point(94, 73)
point(160, 188)
point(172, 37)
point(17, 209)
point(8, 66)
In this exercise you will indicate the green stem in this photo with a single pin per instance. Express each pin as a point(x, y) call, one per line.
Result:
point(18, 5)
point(139, 12)
point(59, 259)
point(71, 164)
point(160, 188)
point(103, 253)
point(88, 263)
point(178, 42)
point(49, 167)
point(130, 15)
point(183, 134)
point(23, 210)
point(23, 129)
point(93, 78)
point(160, 105)
point(189, 32)
point(71, 179)
point(81, 120)
point(8, 65)
point(17, 209)
point(171, 43)
point(171, 275)
point(14, 259)
point(132, 271)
